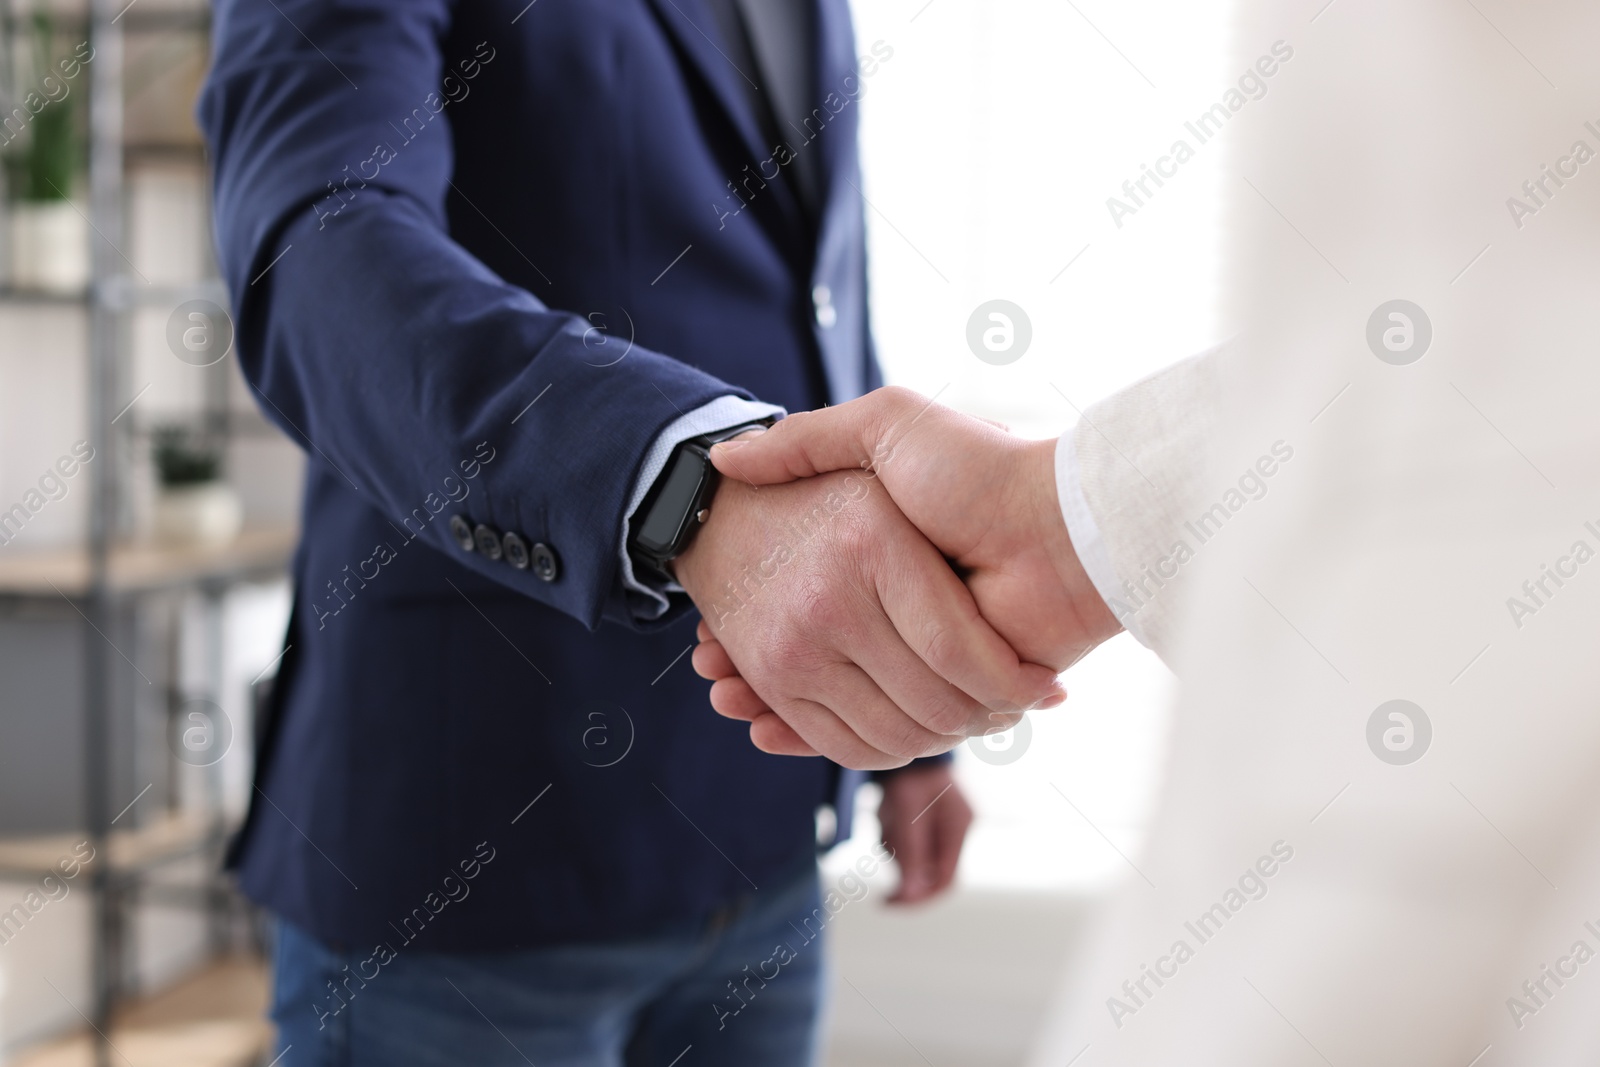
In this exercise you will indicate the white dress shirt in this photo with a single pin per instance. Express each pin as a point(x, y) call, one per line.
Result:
point(647, 595)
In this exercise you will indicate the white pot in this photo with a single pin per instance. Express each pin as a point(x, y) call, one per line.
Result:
point(49, 247)
point(205, 514)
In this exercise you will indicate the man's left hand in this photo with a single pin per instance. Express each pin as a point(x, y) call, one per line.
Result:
point(925, 818)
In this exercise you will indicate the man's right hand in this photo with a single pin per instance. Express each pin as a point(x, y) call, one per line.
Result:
point(845, 622)
point(985, 499)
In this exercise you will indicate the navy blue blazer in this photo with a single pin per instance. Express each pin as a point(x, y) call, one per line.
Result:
point(481, 253)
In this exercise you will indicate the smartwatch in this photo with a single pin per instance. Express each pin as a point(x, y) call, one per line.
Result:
point(679, 501)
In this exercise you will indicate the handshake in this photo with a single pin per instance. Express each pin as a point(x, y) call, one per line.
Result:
point(883, 579)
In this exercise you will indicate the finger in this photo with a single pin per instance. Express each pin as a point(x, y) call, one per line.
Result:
point(711, 660)
point(938, 620)
point(734, 699)
point(829, 735)
point(912, 845)
point(950, 816)
point(810, 442)
point(702, 632)
point(910, 683)
point(771, 734)
point(858, 701)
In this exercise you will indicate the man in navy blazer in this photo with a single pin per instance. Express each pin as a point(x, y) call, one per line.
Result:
point(494, 262)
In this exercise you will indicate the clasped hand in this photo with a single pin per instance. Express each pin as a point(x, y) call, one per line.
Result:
point(882, 579)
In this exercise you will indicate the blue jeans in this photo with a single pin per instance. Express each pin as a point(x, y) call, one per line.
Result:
point(744, 989)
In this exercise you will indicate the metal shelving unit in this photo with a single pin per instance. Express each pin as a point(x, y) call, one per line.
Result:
point(105, 579)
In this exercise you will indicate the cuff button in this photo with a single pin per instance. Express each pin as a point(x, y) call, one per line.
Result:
point(516, 550)
point(461, 530)
point(488, 540)
point(545, 564)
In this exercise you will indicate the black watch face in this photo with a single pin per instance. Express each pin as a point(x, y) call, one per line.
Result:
point(680, 487)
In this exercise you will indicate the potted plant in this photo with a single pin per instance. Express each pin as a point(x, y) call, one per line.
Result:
point(194, 505)
point(49, 234)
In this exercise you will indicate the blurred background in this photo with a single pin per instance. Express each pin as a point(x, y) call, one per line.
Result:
point(142, 604)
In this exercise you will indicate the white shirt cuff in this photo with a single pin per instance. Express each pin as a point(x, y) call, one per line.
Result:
point(647, 599)
point(1087, 542)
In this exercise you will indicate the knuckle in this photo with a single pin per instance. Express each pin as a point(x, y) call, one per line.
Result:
point(910, 744)
point(819, 608)
point(915, 737)
point(790, 653)
point(794, 423)
point(894, 396)
point(942, 648)
point(909, 740)
point(950, 715)
point(854, 536)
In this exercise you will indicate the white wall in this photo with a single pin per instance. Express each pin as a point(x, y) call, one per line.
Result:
point(991, 141)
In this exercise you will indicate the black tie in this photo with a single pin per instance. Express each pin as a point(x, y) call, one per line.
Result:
point(773, 43)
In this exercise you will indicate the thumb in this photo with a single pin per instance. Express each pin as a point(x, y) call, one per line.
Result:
point(804, 444)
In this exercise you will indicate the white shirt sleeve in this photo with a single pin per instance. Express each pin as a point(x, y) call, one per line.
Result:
point(647, 598)
point(1086, 538)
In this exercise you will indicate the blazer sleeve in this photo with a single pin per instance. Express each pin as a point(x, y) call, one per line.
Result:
point(1128, 475)
point(380, 345)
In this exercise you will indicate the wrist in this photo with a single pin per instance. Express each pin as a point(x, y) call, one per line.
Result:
point(680, 503)
point(690, 566)
point(1050, 530)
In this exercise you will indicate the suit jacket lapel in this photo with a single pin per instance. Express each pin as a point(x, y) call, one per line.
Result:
point(695, 31)
point(836, 61)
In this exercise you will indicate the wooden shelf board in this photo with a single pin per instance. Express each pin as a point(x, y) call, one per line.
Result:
point(145, 567)
point(233, 1043)
point(169, 835)
point(122, 294)
point(215, 1018)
